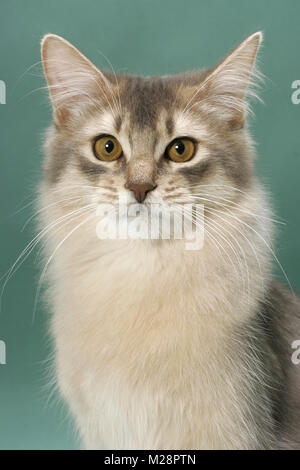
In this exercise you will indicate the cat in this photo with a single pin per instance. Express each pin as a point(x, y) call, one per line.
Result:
point(158, 346)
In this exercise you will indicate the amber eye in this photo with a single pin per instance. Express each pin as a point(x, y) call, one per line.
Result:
point(181, 150)
point(107, 148)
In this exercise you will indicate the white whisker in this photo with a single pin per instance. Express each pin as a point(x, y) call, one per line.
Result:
point(52, 256)
point(31, 245)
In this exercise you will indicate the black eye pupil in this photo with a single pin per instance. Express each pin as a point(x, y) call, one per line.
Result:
point(180, 147)
point(109, 146)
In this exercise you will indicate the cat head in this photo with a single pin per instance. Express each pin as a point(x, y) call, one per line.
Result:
point(167, 139)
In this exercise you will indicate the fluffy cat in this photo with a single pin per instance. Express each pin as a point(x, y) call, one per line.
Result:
point(157, 346)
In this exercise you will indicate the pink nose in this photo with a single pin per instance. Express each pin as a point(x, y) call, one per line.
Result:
point(140, 190)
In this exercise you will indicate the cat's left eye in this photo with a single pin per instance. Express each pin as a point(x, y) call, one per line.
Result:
point(181, 150)
point(107, 148)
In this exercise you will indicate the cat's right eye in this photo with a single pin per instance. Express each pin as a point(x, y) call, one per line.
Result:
point(107, 148)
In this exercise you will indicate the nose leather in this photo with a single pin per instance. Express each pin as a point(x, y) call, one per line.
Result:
point(140, 190)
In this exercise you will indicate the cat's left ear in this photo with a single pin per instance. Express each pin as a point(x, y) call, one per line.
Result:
point(228, 85)
point(73, 80)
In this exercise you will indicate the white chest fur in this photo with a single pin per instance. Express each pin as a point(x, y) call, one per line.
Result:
point(145, 353)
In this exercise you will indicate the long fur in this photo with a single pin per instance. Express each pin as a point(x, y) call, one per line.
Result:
point(158, 347)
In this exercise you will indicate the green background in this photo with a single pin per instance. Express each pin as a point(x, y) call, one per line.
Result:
point(139, 36)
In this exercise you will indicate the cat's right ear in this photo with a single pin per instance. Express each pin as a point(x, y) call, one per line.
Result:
point(73, 80)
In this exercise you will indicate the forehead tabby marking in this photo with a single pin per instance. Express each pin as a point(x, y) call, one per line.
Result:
point(144, 98)
point(118, 123)
point(170, 126)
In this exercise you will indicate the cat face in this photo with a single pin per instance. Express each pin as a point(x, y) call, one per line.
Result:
point(168, 140)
